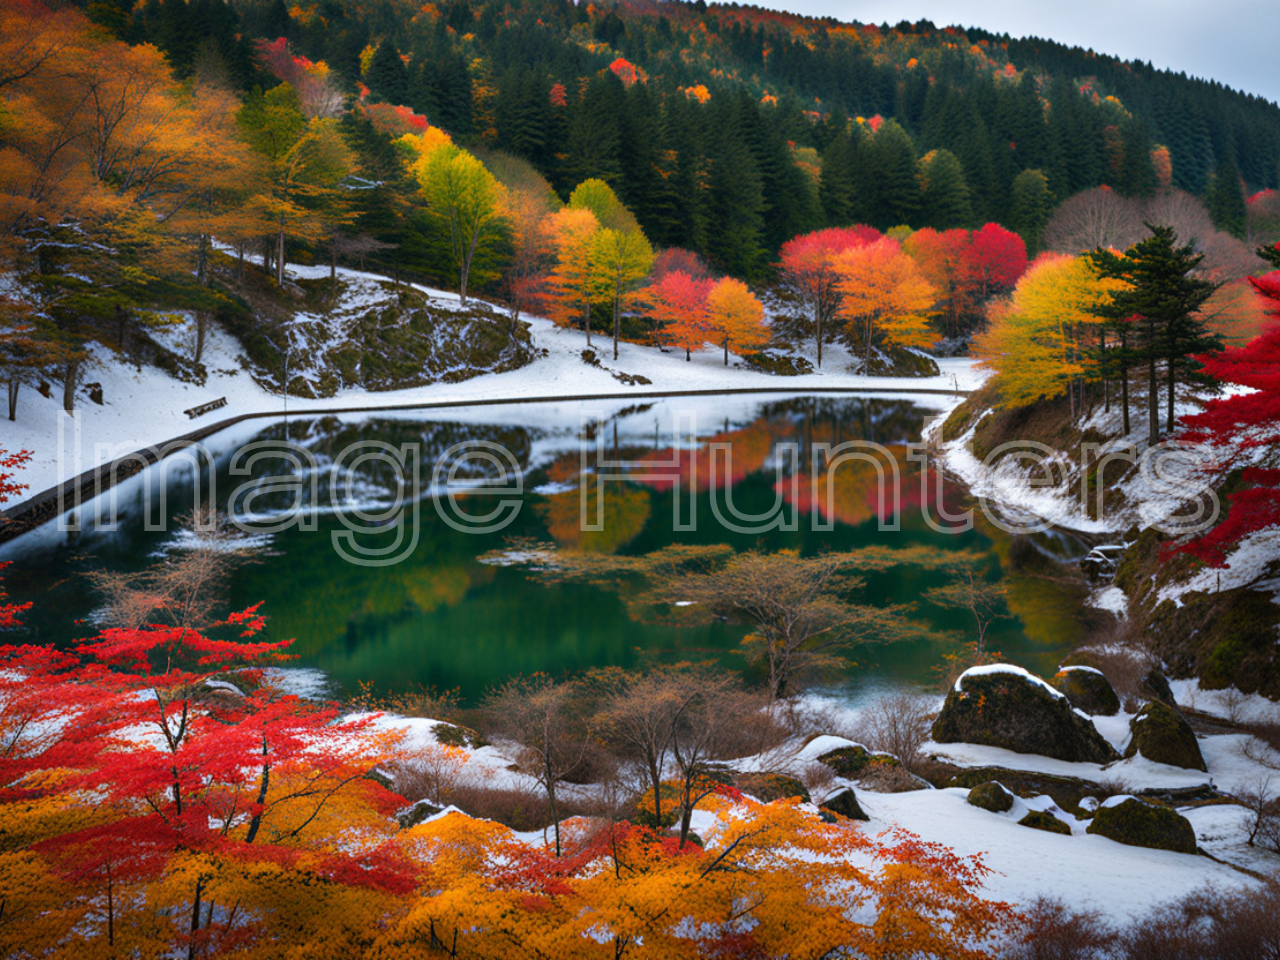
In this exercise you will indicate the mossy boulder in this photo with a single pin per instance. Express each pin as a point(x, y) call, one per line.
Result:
point(894, 361)
point(1007, 707)
point(991, 796)
point(848, 761)
point(1088, 690)
point(455, 735)
point(1155, 685)
point(778, 364)
point(1042, 820)
point(1160, 733)
point(1137, 823)
point(767, 787)
point(845, 803)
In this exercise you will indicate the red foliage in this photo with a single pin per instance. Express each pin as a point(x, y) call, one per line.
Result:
point(1244, 422)
point(625, 71)
point(8, 463)
point(999, 258)
point(678, 302)
point(393, 120)
point(559, 96)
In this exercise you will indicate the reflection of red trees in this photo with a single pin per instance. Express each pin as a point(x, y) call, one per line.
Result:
point(749, 448)
point(850, 494)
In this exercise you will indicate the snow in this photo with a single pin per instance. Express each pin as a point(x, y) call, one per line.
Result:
point(993, 669)
point(1088, 872)
point(1247, 564)
point(1229, 704)
point(1111, 599)
point(145, 406)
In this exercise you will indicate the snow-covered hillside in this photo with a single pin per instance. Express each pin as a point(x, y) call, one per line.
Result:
point(145, 406)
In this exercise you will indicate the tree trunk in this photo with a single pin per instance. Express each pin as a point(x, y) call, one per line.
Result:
point(333, 258)
point(1172, 381)
point(195, 919)
point(1153, 402)
point(818, 317)
point(240, 262)
point(266, 255)
point(14, 384)
point(280, 258)
point(586, 322)
point(551, 802)
point(1124, 397)
point(70, 374)
point(202, 329)
point(726, 351)
point(617, 320)
point(202, 259)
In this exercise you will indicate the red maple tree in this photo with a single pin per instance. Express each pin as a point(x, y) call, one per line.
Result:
point(807, 270)
point(1242, 424)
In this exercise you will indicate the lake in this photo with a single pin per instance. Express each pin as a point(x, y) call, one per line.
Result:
point(419, 607)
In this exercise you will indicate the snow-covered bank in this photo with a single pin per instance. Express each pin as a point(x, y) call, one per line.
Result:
point(144, 407)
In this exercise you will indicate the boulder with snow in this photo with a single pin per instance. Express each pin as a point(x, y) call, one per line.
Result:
point(1161, 734)
point(416, 814)
point(991, 796)
point(1043, 820)
point(1005, 706)
point(850, 761)
point(1137, 823)
point(845, 803)
point(1088, 689)
point(769, 786)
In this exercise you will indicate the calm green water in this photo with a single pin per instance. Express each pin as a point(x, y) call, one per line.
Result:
point(441, 617)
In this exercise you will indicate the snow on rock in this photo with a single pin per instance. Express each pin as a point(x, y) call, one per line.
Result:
point(1229, 703)
point(1111, 599)
point(1009, 668)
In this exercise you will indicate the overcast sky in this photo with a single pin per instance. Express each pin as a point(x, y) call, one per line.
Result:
point(1233, 41)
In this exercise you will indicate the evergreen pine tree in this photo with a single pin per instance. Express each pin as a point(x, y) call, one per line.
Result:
point(1030, 205)
point(837, 184)
point(893, 194)
point(1226, 201)
point(1160, 311)
point(944, 195)
point(387, 79)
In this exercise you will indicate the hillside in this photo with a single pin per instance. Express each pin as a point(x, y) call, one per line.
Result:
point(728, 129)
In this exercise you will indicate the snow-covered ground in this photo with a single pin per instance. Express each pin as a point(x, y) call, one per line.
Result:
point(145, 407)
point(1088, 872)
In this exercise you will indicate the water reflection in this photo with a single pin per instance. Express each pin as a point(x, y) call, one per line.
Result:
point(442, 618)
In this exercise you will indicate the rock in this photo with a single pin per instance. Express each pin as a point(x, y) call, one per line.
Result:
point(1005, 706)
point(381, 779)
point(1134, 822)
point(456, 735)
point(847, 761)
point(1156, 685)
point(1041, 820)
point(1088, 690)
point(420, 811)
point(845, 803)
point(767, 787)
point(1160, 733)
point(895, 361)
point(991, 796)
point(884, 774)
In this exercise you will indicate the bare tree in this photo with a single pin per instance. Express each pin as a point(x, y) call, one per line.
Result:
point(1262, 800)
point(968, 591)
point(898, 724)
point(1099, 217)
point(186, 587)
point(544, 716)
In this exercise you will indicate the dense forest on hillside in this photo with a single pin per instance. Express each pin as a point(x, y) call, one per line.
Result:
point(729, 129)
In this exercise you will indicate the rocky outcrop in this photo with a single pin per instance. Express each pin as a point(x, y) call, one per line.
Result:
point(1042, 820)
point(1088, 690)
point(767, 787)
point(1137, 823)
point(1161, 734)
point(1005, 706)
point(845, 803)
point(991, 796)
